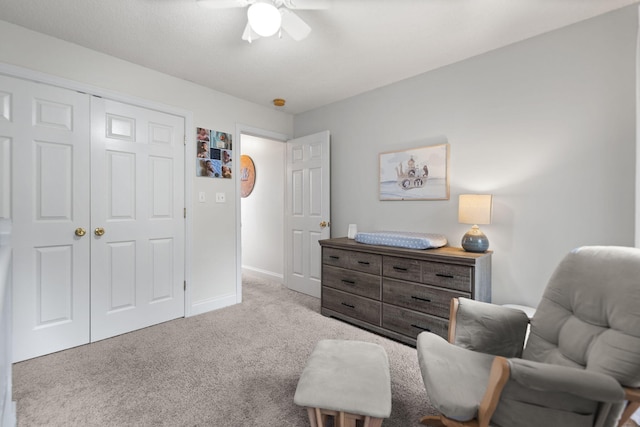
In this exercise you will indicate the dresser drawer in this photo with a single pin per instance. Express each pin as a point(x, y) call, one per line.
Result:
point(450, 276)
point(411, 323)
point(354, 306)
point(401, 268)
point(367, 263)
point(359, 261)
point(426, 299)
point(355, 282)
point(335, 257)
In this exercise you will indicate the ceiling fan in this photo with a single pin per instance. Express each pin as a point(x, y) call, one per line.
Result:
point(268, 17)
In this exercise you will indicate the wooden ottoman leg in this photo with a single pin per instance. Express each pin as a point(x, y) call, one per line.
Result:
point(345, 419)
point(315, 417)
point(373, 422)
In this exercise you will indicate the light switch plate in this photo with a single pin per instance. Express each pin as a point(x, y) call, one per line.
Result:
point(202, 197)
point(221, 197)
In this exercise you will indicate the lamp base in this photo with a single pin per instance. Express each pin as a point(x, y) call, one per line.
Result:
point(475, 240)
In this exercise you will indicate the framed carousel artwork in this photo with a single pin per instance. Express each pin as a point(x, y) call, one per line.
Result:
point(415, 174)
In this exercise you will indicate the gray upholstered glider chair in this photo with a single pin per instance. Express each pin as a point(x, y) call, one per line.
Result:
point(581, 363)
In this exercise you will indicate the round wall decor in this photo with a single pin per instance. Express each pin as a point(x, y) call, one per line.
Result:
point(247, 175)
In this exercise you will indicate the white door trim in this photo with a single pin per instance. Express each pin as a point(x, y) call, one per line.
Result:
point(261, 133)
point(637, 222)
point(36, 76)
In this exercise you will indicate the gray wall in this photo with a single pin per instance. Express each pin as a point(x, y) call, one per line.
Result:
point(546, 125)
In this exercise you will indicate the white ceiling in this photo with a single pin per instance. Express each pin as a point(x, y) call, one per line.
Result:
point(355, 45)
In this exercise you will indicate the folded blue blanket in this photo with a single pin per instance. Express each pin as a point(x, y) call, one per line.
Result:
point(402, 239)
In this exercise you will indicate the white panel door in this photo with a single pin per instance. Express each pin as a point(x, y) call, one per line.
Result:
point(137, 187)
point(308, 210)
point(45, 157)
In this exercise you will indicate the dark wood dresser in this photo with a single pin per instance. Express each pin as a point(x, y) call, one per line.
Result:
point(399, 292)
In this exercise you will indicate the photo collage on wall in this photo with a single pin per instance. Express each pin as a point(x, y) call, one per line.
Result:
point(215, 154)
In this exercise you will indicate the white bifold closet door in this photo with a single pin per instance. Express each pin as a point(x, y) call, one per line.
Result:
point(94, 189)
point(45, 133)
point(137, 198)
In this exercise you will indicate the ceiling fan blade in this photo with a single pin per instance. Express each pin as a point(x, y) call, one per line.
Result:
point(307, 4)
point(248, 34)
point(223, 4)
point(294, 25)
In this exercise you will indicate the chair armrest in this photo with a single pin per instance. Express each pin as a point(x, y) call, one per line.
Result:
point(487, 328)
point(498, 378)
point(554, 378)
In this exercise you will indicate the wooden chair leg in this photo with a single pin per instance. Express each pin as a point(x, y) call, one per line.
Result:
point(633, 396)
point(628, 411)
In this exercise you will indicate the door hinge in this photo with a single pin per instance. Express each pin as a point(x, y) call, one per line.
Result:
point(185, 212)
point(185, 285)
point(185, 140)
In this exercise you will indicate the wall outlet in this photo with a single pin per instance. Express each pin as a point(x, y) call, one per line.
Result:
point(221, 197)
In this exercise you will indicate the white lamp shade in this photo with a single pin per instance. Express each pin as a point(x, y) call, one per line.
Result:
point(474, 209)
point(264, 18)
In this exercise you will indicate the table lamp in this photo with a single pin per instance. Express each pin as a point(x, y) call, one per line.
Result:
point(474, 209)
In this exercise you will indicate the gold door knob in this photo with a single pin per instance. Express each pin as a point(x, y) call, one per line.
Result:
point(80, 232)
point(324, 224)
point(99, 231)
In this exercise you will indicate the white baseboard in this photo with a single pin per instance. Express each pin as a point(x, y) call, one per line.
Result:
point(9, 416)
point(217, 303)
point(211, 304)
point(263, 274)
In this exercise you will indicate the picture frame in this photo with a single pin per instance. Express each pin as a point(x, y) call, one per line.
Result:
point(415, 174)
point(214, 154)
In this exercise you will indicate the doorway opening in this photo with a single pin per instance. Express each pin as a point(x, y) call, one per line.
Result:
point(263, 210)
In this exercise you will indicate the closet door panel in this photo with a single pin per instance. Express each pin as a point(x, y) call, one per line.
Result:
point(137, 176)
point(44, 139)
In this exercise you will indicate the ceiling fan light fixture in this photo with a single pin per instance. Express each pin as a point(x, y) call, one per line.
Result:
point(264, 18)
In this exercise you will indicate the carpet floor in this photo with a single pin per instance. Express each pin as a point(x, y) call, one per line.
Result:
point(237, 366)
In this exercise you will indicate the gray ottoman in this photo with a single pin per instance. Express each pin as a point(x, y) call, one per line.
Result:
point(348, 380)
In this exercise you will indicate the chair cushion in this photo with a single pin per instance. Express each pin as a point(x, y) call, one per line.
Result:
point(455, 378)
point(589, 316)
point(541, 394)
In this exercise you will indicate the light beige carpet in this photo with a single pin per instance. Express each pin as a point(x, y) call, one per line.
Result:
point(238, 366)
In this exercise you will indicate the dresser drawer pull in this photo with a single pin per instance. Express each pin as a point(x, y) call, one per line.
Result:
point(395, 267)
point(448, 276)
point(364, 262)
point(348, 282)
point(422, 328)
point(334, 257)
point(421, 299)
point(348, 305)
